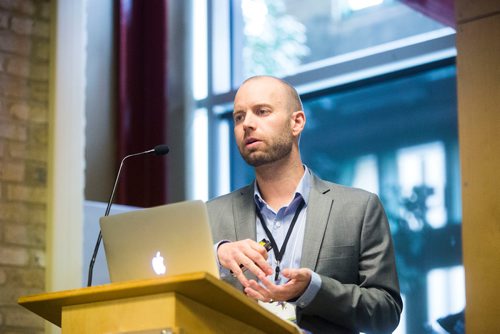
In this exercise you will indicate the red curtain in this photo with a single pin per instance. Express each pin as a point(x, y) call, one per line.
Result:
point(440, 10)
point(142, 58)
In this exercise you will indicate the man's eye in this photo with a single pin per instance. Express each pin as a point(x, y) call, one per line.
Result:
point(237, 118)
point(262, 111)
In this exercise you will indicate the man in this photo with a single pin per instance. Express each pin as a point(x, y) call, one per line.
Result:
point(332, 256)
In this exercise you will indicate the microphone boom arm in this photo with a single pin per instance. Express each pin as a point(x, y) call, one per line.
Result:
point(158, 150)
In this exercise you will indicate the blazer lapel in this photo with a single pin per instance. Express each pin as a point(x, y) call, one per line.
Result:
point(244, 214)
point(318, 213)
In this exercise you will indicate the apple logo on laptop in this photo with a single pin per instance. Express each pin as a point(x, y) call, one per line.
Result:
point(158, 265)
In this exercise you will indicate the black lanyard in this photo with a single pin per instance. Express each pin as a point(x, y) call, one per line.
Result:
point(278, 253)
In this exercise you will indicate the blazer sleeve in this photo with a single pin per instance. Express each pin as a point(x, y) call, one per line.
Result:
point(371, 302)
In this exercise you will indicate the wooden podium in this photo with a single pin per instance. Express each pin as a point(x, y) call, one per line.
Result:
point(183, 304)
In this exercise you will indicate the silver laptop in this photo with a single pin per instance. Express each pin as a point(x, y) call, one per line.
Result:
point(161, 241)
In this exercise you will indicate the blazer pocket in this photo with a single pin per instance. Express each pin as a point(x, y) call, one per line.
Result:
point(334, 252)
point(339, 262)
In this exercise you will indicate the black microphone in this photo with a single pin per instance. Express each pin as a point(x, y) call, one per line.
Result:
point(158, 150)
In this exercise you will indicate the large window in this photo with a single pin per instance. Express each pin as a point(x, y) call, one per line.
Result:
point(380, 101)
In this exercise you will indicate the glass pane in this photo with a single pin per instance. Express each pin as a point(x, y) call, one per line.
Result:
point(223, 153)
point(220, 48)
point(378, 118)
point(446, 295)
point(422, 168)
point(396, 136)
point(281, 35)
point(199, 46)
point(199, 155)
point(366, 173)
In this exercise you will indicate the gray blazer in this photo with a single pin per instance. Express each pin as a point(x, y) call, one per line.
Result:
point(347, 242)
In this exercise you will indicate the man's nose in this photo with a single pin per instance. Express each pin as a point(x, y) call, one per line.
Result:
point(249, 121)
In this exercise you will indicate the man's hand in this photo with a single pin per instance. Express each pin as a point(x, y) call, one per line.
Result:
point(298, 281)
point(248, 253)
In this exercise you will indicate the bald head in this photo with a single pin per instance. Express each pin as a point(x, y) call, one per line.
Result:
point(292, 97)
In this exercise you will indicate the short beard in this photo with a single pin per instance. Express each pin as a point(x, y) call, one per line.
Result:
point(280, 148)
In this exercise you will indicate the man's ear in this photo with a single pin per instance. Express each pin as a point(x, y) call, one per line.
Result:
point(298, 122)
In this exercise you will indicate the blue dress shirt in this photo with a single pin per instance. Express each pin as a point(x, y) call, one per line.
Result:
point(278, 224)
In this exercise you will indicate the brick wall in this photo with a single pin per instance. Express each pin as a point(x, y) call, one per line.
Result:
point(24, 86)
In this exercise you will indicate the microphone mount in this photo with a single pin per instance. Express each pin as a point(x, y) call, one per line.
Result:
point(158, 150)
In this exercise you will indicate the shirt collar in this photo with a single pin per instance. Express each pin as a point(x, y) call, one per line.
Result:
point(302, 190)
